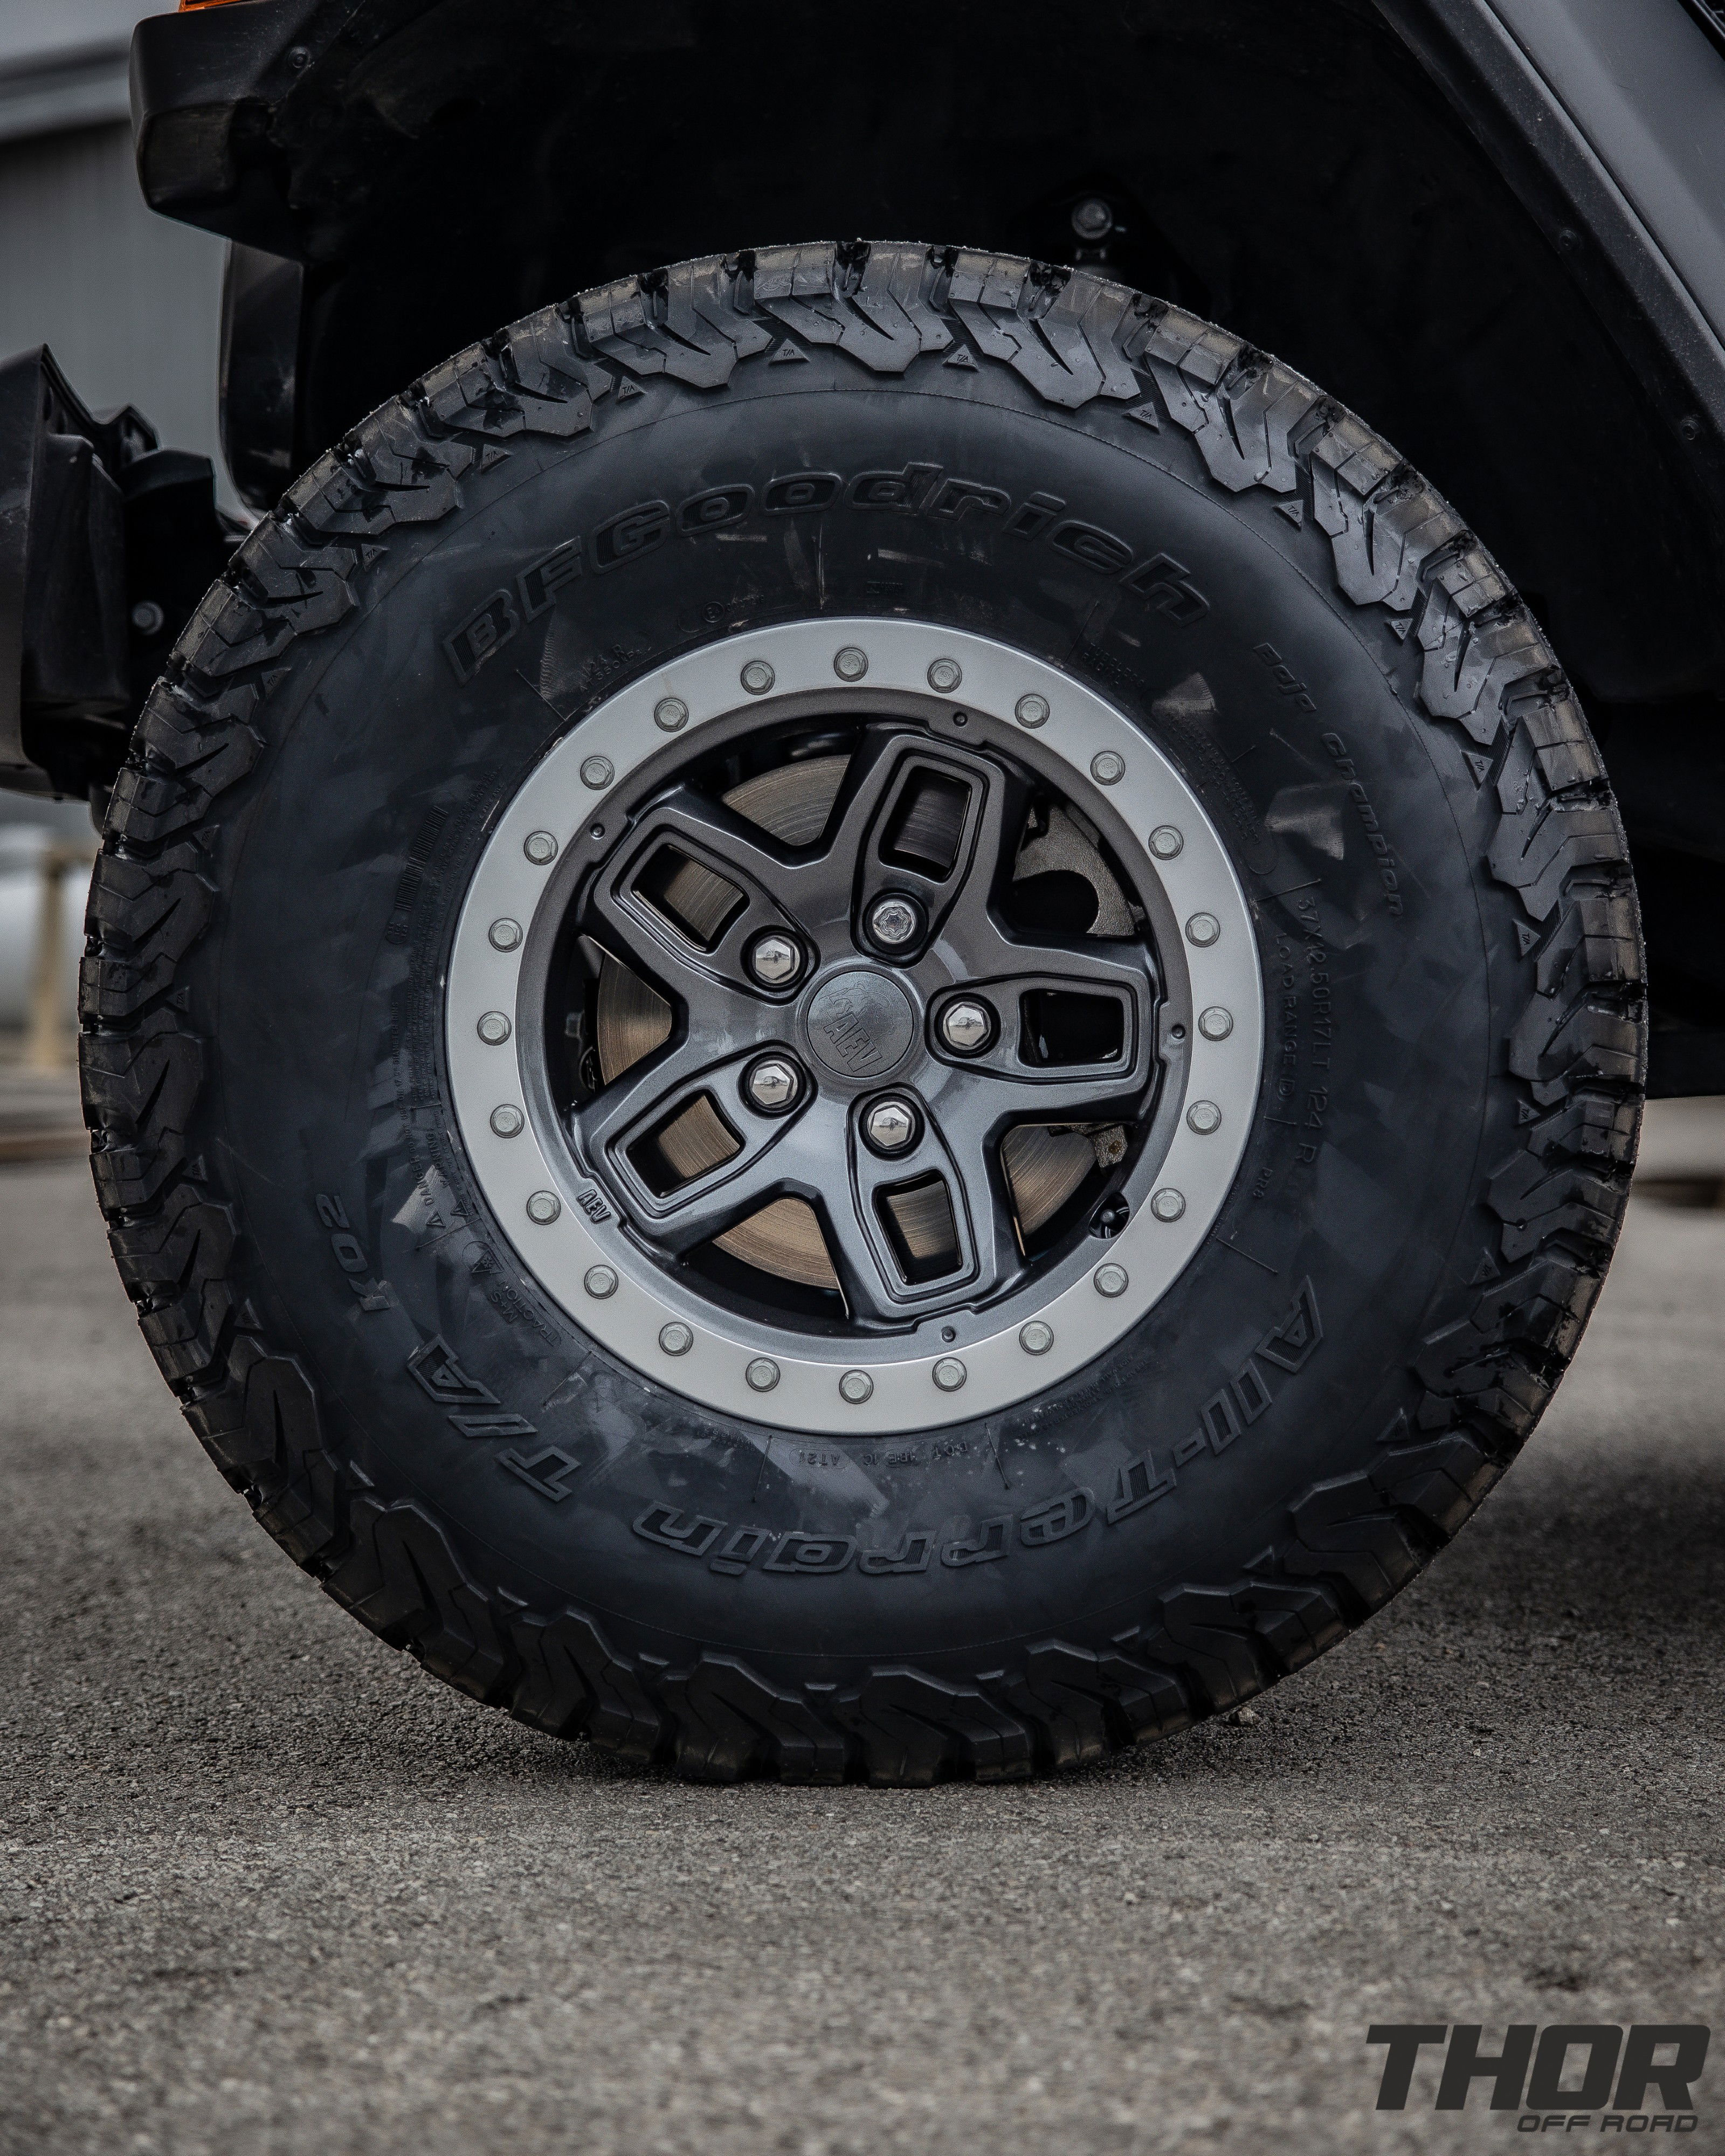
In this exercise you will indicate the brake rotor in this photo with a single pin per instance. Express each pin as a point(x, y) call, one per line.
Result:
point(1044, 1164)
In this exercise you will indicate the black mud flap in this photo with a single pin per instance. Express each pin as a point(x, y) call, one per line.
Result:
point(107, 541)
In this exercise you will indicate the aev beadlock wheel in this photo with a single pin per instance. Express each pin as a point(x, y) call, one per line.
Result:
point(863, 1010)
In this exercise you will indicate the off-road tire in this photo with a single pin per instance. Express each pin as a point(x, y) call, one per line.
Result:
point(1452, 1078)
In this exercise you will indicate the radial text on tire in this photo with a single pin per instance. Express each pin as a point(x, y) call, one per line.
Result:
point(863, 1011)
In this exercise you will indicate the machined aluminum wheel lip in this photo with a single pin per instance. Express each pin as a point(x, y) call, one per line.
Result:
point(586, 1234)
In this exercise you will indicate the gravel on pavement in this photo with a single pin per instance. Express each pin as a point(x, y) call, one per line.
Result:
point(267, 1889)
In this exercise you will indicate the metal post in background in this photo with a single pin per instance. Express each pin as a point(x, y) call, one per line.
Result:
point(48, 1041)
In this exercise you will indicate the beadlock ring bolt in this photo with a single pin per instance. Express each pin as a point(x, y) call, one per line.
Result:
point(966, 1025)
point(757, 677)
point(1031, 712)
point(949, 1374)
point(944, 675)
point(508, 1121)
point(597, 771)
point(1036, 1337)
point(670, 715)
point(1215, 1024)
point(856, 1386)
point(1203, 929)
point(890, 1126)
point(894, 921)
point(1107, 766)
point(762, 1374)
point(539, 848)
point(772, 1085)
point(505, 935)
point(543, 1208)
point(774, 959)
point(1112, 1280)
point(1166, 841)
point(1205, 1117)
point(1167, 1204)
point(600, 1282)
point(850, 664)
point(675, 1339)
point(493, 1029)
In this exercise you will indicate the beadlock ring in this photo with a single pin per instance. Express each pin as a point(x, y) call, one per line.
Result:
point(577, 1257)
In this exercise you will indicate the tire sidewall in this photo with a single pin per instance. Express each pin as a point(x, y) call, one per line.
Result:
point(1277, 1359)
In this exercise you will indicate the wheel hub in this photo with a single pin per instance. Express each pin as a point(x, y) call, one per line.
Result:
point(860, 1024)
point(886, 1027)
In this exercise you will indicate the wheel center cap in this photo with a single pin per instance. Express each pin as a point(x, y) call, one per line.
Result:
point(860, 1024)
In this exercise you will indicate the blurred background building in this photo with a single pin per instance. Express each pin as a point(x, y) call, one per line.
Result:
point(129, 304)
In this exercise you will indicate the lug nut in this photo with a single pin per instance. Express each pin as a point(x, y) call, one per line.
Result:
point(774, 959)
point(894, 921)
point(889, 1126)
point(966, 1025)
point(772, 1083)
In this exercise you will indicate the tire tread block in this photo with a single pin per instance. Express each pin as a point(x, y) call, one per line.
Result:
point(573, 1684)
point(1075, 339)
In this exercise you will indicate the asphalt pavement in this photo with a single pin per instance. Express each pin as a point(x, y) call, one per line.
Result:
point(267, 1889)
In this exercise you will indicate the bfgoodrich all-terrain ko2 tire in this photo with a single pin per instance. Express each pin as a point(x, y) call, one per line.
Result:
point(863, 1011)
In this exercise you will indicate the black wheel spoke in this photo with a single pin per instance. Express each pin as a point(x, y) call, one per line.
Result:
point(875, 1287)
point(645, 1095)
point(1068, 1042)
point(741, 890)
point(686, 1111)
point(972, 1141)
point(825, 885)
point(720, 1198)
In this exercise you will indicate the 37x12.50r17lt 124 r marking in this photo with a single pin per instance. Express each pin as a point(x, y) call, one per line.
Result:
point(860, 1011)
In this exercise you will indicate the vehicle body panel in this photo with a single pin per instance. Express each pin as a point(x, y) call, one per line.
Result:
point(1495, 226)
